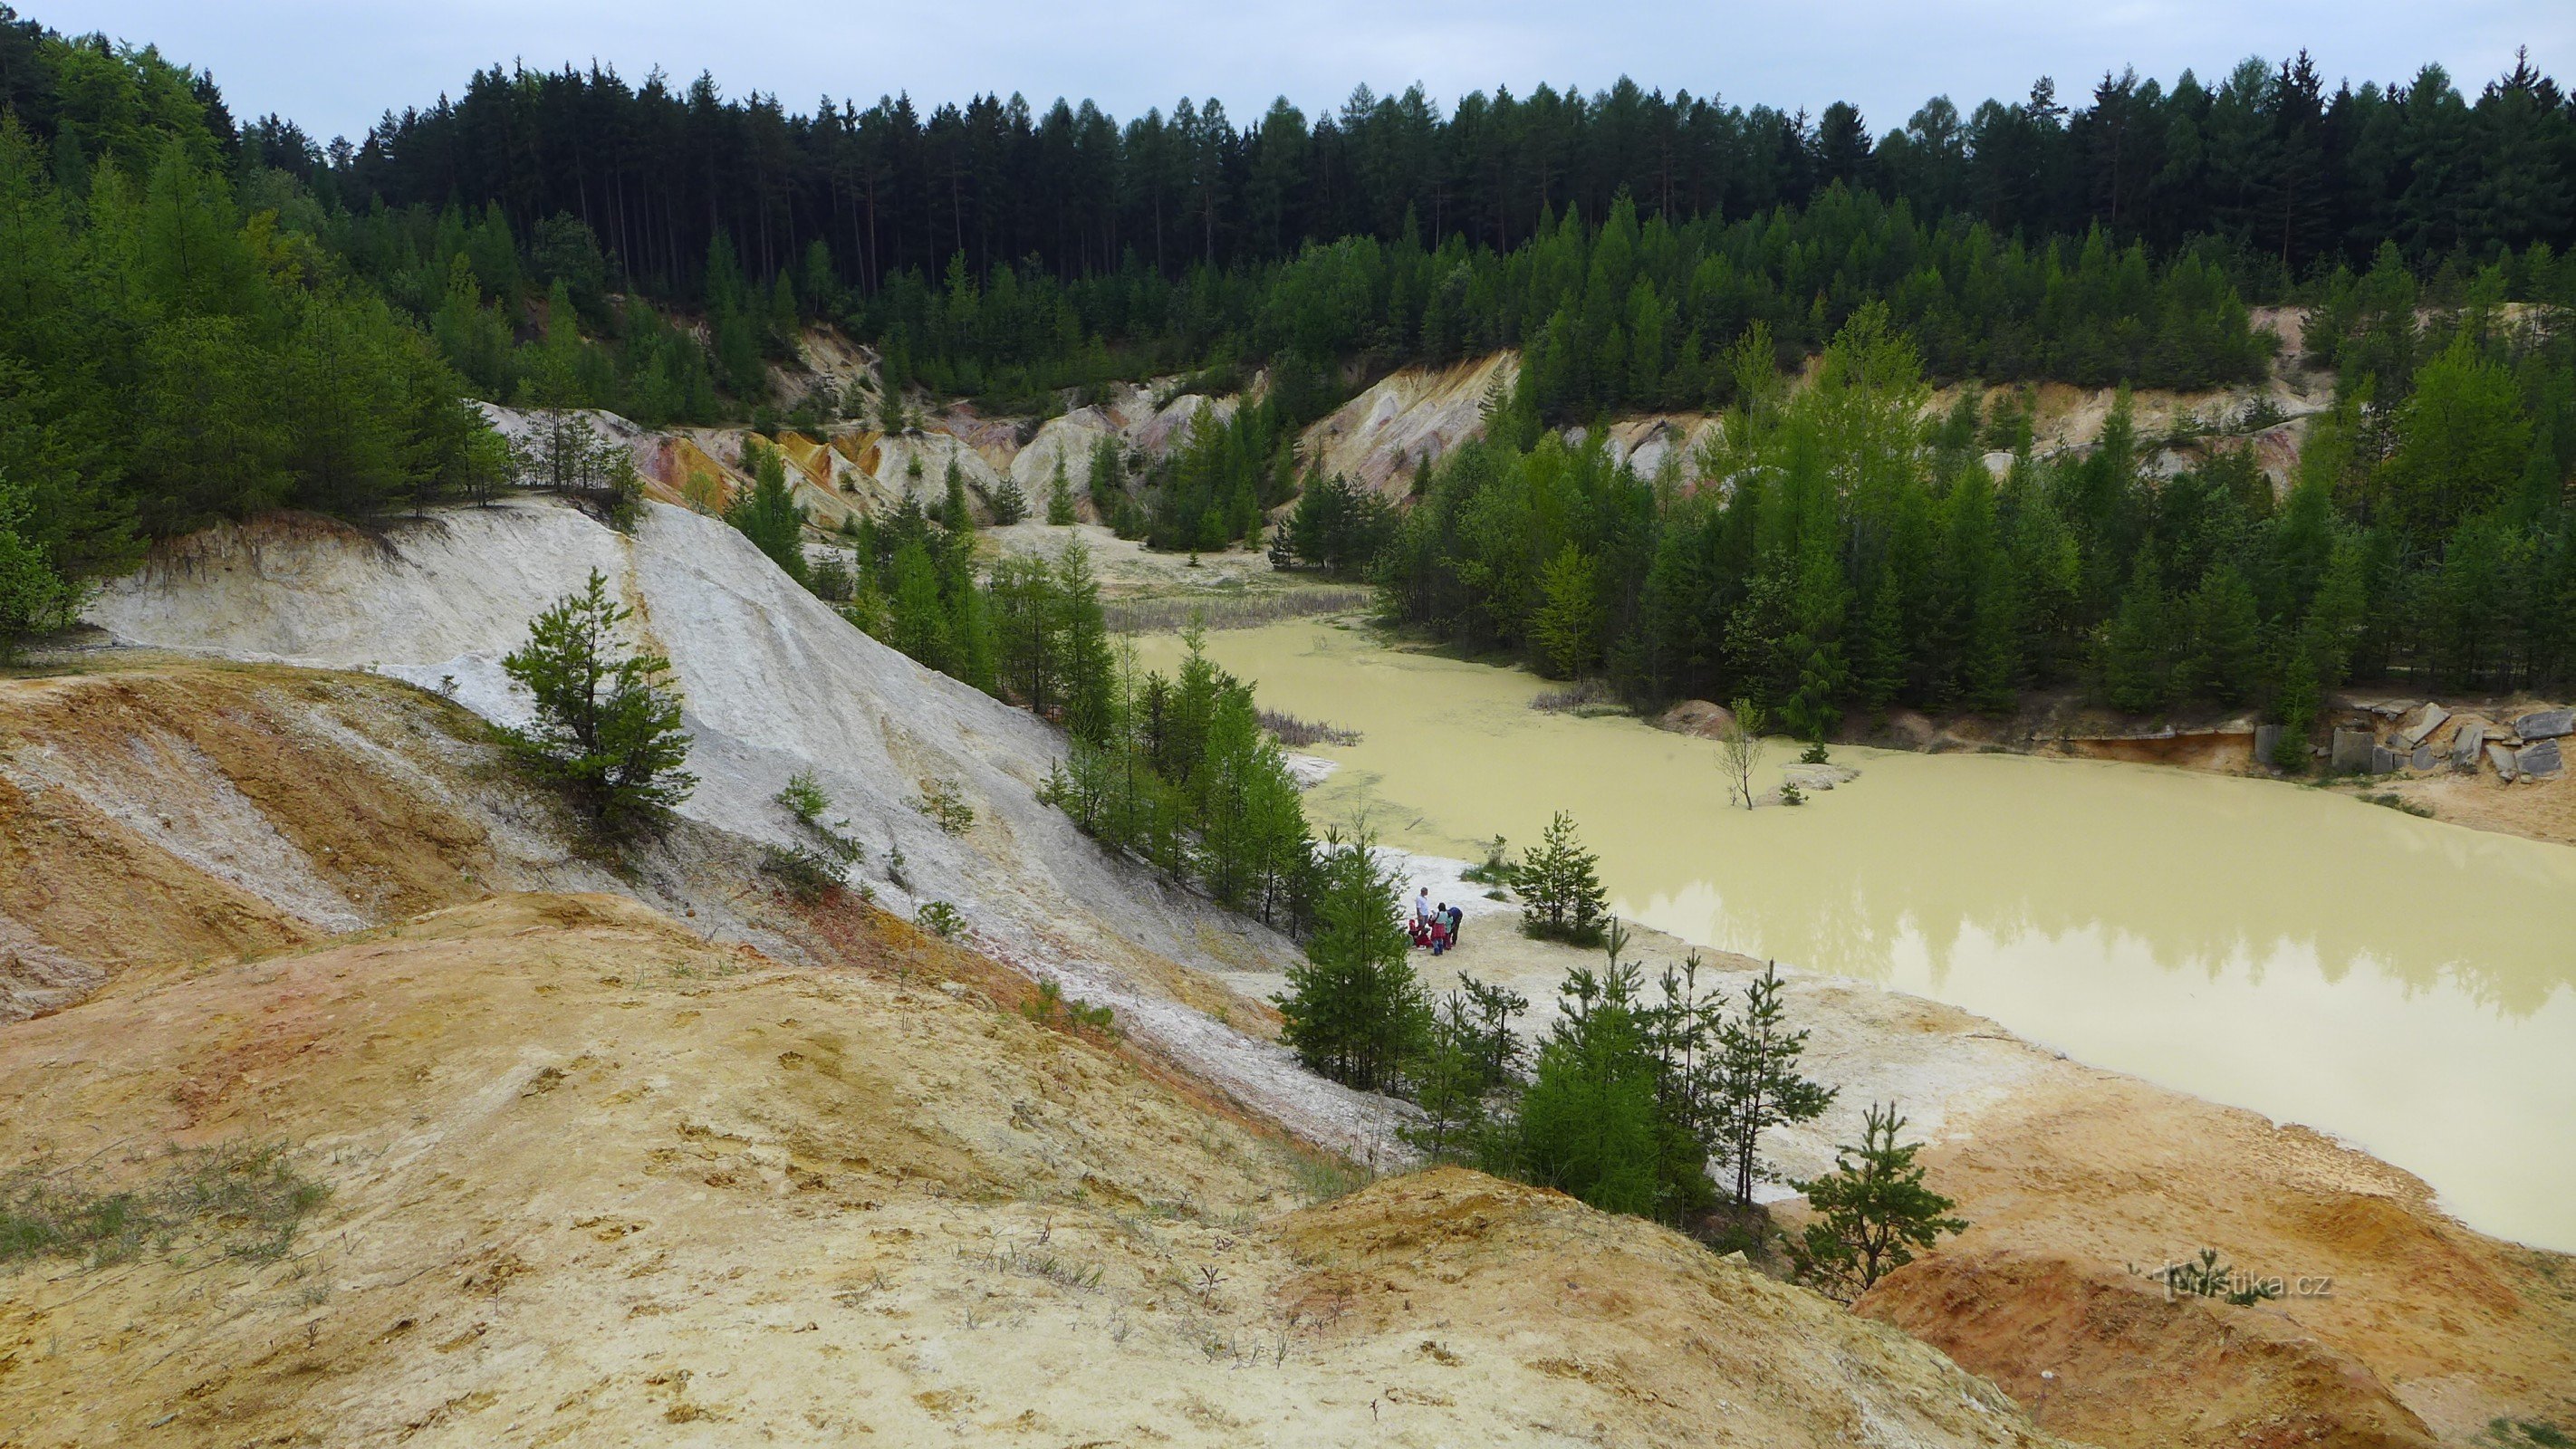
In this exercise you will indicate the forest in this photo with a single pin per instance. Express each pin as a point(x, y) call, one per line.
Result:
point(201, 318)
point(1861, 559)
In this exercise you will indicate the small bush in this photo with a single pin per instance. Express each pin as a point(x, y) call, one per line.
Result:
point(940, 919)
point(1050, 1008)
point(1584, 695)
point(1496, 869)
point(945, 803)
point(804, 874)
point(1039, 1263)
point(2206, 1277)
point(1323, 1177)
point(803, 797)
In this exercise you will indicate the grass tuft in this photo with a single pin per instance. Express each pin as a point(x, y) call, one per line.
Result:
point(245, 1199)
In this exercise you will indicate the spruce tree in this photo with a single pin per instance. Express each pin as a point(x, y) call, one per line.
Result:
point(1008, 503)
point(1566, 628)
point(1353, 1010)
point(2226, 659)
point(1106, 483)
point(1760, 1087)
point(607, 725)
point(769, 514)
point(2136, 652)
point(1059, 510)
point(1559, 884)
point(1872, 1211)
point(954, 513)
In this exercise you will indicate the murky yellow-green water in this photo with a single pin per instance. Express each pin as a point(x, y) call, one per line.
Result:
point(2407, 985)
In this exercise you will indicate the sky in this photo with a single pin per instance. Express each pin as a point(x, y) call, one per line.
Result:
point(335, 66)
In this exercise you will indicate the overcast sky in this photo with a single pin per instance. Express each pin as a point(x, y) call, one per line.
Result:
point(336, 65)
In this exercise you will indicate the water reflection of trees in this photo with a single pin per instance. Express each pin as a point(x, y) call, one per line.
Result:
point(2203, 874)
point(2198, 915)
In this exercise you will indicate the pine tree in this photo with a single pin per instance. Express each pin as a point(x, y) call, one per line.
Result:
point(1353, 1010)
point(769, 514)
point(607, 726)
point(1588, 1124)
point(1008, 503)
point(2136, 651)
point(1559, 884)
point(1871, 1212)
point(1566, 629)
point(1059, 504)
point(1759, 1085)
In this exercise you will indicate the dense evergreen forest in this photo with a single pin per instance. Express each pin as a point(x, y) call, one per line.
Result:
point(1863, 560)
point(200, 318)
point(1005, 253)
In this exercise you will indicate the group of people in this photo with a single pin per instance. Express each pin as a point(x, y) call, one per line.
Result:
point(1435, 928)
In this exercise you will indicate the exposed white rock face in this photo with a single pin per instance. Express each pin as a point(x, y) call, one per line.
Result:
point(774, 682)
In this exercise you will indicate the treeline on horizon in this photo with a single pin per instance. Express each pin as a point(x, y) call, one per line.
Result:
point(1005, 254)
point(204, 319)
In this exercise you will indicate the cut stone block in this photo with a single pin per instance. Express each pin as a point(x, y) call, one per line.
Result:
point(2468, 744)
point(2540, 761)
point(2383, 760)
point(2351, 751)
point(2547, 724)
point(2422, 758)
point(2420, 726)
point(2267, 738)
point(2502, 759)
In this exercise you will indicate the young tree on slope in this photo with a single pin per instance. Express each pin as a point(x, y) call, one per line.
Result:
point(1759, 1083)
point(1353, 1010)
point(607, 728)
point(769, 514)
point(1872, 1211)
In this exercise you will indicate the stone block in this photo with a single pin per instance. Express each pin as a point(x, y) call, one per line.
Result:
point(2540, 761)
point(2468, 744)
point(2547, 724)
point(2419, 727)
point(2502, 759)
point(2383, 760)
point(2351, 751)
point(2267, 738)
point(2422, 759)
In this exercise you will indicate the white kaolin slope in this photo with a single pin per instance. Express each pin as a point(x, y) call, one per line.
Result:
point(774, 682)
